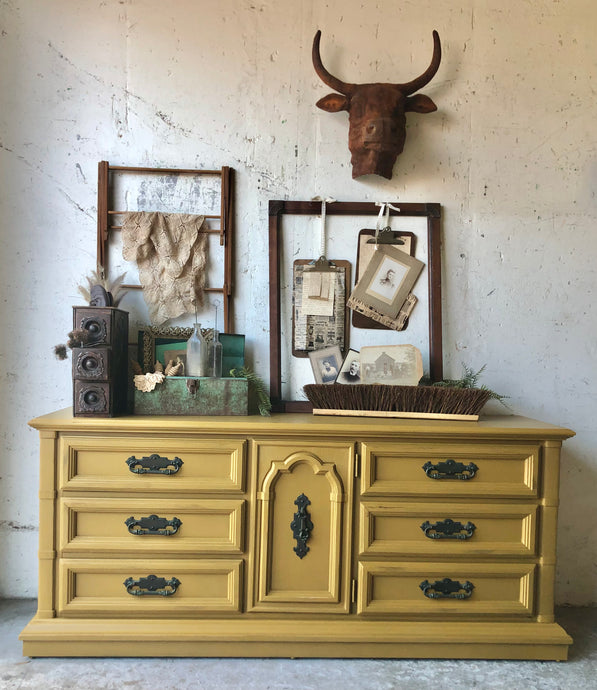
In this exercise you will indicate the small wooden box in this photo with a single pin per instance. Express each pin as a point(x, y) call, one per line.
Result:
point(186, 395)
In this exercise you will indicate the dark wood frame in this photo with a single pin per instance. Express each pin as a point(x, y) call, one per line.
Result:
point(225, 231)
point(277, 209)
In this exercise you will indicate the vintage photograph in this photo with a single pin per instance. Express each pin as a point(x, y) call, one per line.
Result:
point(404, 241)
point(386, 282)
point(397, 365)
point(326, 364)
point(350, 372)
point(387, 279)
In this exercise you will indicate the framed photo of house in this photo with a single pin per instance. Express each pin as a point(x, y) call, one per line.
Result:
point(326, 363)
point(387, 281)
point(396, 365)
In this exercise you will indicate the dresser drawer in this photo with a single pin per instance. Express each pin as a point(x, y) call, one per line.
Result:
point(450, 469)
point(398, 589)
point(447, 529)
point(181, 526)
point(132, 588)
point(152, 464)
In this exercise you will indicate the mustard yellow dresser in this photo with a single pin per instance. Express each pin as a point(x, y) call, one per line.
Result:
point(297, 535)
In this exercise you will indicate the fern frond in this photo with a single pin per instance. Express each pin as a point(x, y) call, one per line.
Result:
point(471, 380)
point(264, 403)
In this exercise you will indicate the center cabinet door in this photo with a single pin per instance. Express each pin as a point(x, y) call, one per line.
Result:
point(303, 516)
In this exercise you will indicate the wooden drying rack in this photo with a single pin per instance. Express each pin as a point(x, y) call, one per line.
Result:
point(105, 216)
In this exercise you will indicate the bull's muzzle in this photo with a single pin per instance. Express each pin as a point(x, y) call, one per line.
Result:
point(380, 132)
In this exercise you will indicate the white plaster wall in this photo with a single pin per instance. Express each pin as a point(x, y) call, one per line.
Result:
point(511, 155)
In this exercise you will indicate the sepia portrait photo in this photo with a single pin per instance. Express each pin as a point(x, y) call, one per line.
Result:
point(387, 281)
point(350, 373)
point(326, 364)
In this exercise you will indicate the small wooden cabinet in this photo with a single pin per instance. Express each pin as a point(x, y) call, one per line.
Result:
point(297, 536)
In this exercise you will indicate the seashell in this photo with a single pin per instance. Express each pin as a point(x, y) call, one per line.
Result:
point(159, 367)
point(176, 369)
point(169, 367)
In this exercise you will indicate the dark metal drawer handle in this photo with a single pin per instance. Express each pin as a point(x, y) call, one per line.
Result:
point(152, 585)
point(448, 529)
point(301, 526)
point(154, 464)
point(450, 469)
point(447, 589)
point(153, 525)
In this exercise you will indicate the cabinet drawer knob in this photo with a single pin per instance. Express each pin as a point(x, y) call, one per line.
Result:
point(447, 589)
point(153, 525)
point(448, 529)
point(152, 585)
point(450, 469)
point(154, 464)
point(301, 526)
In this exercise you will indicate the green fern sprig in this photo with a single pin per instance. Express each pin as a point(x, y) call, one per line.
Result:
point(264, 404)
point(469, 380)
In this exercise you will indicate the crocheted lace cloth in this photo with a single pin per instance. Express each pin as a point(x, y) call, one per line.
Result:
point(171, 253)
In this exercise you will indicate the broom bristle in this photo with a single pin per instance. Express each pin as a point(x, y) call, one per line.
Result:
point(381, 398)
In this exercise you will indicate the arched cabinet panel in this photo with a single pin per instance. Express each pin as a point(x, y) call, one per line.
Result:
point(304, 499)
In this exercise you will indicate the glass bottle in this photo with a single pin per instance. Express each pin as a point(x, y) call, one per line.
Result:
point(214, 350)
point(196, 353)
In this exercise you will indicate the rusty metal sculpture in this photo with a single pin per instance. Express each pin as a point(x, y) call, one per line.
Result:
point(376, 113)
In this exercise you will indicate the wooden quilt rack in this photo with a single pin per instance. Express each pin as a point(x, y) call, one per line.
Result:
point(106, 213)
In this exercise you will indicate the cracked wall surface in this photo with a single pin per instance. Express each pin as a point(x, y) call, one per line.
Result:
point(511, 154)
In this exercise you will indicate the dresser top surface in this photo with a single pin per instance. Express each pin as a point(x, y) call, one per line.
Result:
point(490, 426)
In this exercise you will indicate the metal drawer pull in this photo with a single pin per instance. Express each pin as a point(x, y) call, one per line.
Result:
point(154, 464)
point(301, 526)
point(450, 469)
point(447, 589)
point(152, 585)
point(153, 525)
point(448, 529)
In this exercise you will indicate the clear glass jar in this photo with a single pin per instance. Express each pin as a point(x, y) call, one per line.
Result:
point(197, 353)
point(214, 350)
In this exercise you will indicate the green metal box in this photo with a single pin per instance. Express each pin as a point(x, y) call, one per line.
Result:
point(187, 395)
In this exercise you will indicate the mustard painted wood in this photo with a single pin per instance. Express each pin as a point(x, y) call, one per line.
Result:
point(417, 538)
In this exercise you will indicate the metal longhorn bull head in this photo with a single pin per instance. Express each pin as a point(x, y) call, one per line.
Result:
point(376, 113)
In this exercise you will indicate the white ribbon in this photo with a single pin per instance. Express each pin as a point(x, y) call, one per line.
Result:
point(384, 210)
point(322, 237)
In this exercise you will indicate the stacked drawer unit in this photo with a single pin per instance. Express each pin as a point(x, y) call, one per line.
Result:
point(149, 527)
point(100, 368)
point(449, 530)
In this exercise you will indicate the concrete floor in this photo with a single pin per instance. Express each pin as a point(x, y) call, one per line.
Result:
point(21, 673)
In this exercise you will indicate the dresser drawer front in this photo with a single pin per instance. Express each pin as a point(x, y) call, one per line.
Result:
point(395, 589)
point(428, 469)
point(203, 526)
point(90, 463)
point(447, 529)
point(95, 587)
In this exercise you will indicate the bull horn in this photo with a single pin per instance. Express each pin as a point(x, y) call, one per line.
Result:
point(334, 83)
point(428, 74)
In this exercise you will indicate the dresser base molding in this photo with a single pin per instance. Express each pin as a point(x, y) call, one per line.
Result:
point(276, 638)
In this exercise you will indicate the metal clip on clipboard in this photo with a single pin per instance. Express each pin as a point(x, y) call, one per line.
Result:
point(321, 265)
point(386, 236)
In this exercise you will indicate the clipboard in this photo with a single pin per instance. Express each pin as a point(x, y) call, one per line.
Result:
point(315, 332)
point(366, 240)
